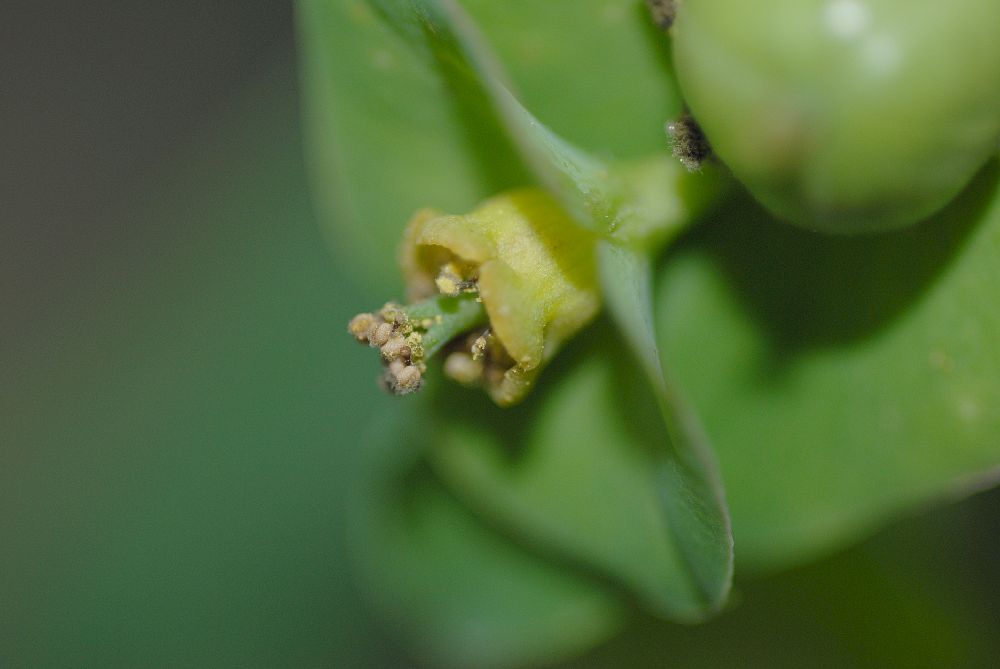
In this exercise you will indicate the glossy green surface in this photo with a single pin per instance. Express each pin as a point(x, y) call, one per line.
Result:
point(843, 380)
point(845, 116)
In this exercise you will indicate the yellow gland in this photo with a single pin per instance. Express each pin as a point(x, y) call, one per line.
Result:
point(535, 273)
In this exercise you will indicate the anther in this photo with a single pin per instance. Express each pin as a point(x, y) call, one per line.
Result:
point(408, 380)
point(379, 334)
point(360, 325)
point(407, 336)
point(396, 347)
point(448, 283)
point(463, 368)
point(479, 346)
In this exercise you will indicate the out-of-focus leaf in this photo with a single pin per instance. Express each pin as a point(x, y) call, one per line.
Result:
point(463, 595)
point(842, 380)
point(596, 72)
point(577, 472)
point(581, 182)
point(686, 473)
point(919, 611)
point(389, 135)
point(391, 131)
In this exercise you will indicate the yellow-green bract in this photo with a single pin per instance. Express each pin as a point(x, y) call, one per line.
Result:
point(533, 268)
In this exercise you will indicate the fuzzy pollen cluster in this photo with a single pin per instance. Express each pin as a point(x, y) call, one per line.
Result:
point(399, 344)
point(662, 12)
point(688, 143)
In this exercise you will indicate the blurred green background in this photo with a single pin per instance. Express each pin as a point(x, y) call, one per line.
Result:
point(181, 411)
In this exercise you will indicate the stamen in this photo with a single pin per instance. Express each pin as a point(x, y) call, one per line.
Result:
point(379, 334)
point(449, 317)
point(479, 346)
point(407, 335)
point(408, 380)
point(395, 348)
point(360, 325)
point(463, 368)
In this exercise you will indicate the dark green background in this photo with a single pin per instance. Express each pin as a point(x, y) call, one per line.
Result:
point(180, 408)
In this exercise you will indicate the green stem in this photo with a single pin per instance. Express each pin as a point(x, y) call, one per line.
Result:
point(450, 316)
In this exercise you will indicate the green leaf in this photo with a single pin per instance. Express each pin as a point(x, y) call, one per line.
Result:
point(686, 472)
point(843, 381)
point(462, 595)
point(391, 130)
point(916, 612)
point(578, 472)
point(389, 134)
point(442, 29)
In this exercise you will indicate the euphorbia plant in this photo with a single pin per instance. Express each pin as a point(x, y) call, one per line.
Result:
point(809, 360)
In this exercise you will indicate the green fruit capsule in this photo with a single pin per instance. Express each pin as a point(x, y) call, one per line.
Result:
point(844, 115)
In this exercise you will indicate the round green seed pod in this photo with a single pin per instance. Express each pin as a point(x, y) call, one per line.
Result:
point(844, 115)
